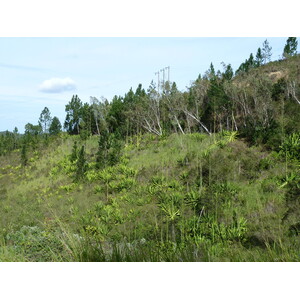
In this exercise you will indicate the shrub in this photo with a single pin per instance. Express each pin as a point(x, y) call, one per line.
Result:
point(35, 243)
point(290, 148)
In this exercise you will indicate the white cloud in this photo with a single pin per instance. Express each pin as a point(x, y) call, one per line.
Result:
point(57, 85)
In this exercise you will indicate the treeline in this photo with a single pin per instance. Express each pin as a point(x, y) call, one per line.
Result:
point(261, 108)
point(33, 134)
point(254, 104)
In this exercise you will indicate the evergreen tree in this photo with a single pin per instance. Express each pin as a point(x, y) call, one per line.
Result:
point(290, 48)
point(211, 73)
point(247, 65)
point(74, 154)
point(45, 120)
point(241, 69)
point(266, 52)
point(251, 62)
point(81, 165)
point(116, 118)
point(109, 150)
point(140, 92)
point(15, 137)
point(86, 122)
point(103, 148)
point(55, 127)
point(24, 158)
point(228, 72)
point(259, 58)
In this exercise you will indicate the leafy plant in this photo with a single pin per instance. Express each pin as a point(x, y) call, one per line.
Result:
point(290, 148)
point(35, 243)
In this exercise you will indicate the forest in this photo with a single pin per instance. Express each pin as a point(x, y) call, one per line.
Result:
point(206, 174)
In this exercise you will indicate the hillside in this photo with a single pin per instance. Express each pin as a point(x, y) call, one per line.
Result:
point(275, 70)
point(179, 198)
point(208, 174)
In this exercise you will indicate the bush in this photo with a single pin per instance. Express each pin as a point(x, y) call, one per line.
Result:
point(290, 148)
point(35, 243)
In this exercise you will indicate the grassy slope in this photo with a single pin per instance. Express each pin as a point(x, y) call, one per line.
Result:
point(235, 190)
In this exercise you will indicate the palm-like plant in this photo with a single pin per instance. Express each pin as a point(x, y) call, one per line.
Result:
point(290, 148)
point(171, 212)
point(289, 178)
point(106, 176)
point(230, 136)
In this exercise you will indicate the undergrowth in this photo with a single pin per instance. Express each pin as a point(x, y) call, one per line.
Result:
point(179, 198)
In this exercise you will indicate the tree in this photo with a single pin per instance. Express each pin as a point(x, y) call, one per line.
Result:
point(228, 72)
point(197, 102)
point(85, 122)
point(109, 150)
point(16, 131)
point(103, 148)
point(210, 73)
point(45, 120)
point(251, 62)
point(246, 66)
point(242, 68)
point(55, 127)
point(24, 158)
point(147, 110)
point(74, 153)
point(15, 137)
point(74, 115)
point(31, 129)
point(174, 102)
point(290, 48)
point(259, 58)
point(266, 52)
point(81, 164)
point(116, 119)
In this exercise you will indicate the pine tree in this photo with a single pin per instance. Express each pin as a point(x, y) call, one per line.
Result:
point(259, 58)
point(15, 137)
point(55, 127)
point(103, 148)
point(211, 71)
point(24, 158)
point(290, 48)
point(109, 150)
point(81, 165)
point(228, 72)
point(251, 61)
point(45, 119)
point(74, 154)
point(266, 52)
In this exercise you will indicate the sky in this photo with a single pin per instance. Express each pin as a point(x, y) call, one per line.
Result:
point(38, 72)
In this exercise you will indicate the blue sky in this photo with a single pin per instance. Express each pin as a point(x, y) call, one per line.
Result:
point(38, 72)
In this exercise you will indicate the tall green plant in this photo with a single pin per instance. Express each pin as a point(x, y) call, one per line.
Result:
point(81, 165)
point(290, 148)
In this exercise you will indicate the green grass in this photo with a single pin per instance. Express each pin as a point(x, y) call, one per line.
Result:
point(178, 198)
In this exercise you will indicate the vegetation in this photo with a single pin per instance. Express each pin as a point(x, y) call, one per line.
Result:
point(208, 174)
